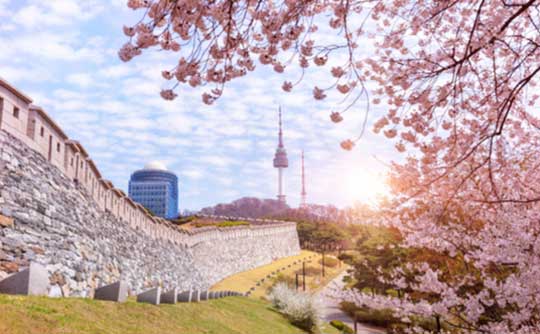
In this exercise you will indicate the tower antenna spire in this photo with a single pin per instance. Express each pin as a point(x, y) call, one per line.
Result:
point(280, 129)
point(280, 161)
point(303, 193)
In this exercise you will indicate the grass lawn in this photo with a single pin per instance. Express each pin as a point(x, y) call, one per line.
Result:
point(41, 315)
point(242, 282)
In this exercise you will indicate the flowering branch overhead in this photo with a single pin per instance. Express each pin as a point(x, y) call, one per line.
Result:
point(218, 41)
point(457, 81)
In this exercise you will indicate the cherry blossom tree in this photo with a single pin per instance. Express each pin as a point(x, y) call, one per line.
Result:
point(457, 80)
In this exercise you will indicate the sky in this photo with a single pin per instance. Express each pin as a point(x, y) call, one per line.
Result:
point(63, 54)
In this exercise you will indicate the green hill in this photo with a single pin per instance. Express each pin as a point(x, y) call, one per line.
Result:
point(41, 315)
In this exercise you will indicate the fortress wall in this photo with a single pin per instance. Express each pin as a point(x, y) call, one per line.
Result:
point(88, 233)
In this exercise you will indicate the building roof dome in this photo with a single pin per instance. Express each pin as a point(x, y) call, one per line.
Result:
point(155, 165)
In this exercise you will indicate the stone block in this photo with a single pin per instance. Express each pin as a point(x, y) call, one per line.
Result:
point(116, 292)
point(184, 297)
point(55, 292)
point(152, 296)
point(33, 280)
point(204, 295)
point(9, 267)
point(170, 297)
point(5, 221)
point(195, 296)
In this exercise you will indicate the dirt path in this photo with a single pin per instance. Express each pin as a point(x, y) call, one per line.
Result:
point(331, 309)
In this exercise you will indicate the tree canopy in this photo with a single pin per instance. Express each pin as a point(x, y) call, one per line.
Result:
point(457, 80)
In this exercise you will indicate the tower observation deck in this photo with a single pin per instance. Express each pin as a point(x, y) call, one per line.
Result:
point(280, 161)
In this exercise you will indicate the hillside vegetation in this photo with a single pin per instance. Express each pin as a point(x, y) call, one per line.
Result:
point(41, 315)
point(282, 270)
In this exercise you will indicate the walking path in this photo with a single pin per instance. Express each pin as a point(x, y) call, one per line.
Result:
point(331, 311)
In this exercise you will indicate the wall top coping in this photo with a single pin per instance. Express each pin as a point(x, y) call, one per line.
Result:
point(49, 120)
point(130, 201)
point(119, 192)
point(108, 184)
point(94, 167)
point(15, 91)
point(77, 146)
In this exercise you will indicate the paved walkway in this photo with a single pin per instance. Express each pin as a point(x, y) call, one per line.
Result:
point(331, 309)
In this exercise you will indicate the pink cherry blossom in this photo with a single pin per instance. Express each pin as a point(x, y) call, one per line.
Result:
point(336, 117)
point(343, 89)
point(347, 144)
point(168, 94)
point(287, 86)
point(128, 51)
point(318, 93)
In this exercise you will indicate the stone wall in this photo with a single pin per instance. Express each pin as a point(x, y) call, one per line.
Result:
point(48, 218)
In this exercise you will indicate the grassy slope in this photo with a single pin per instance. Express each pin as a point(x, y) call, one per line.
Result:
point(243, 281)
point(41, 315)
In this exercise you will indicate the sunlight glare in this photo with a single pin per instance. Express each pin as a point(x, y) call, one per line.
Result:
point(365, 186)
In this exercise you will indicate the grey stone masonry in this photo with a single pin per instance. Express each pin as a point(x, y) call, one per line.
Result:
point(58, 223)
point(33, 280)
point(151, 296)
point(195, 296)
point(170, 297)
point(116, 292)
point(184, 297)
point(204, 295)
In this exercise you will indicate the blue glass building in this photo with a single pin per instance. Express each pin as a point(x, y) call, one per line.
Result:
point(156, 188)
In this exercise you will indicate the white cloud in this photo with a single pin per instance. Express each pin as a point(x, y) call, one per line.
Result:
point(40, 14)
point(80, 79)
point(195, 174)
point(116, 71)
point(68, 63)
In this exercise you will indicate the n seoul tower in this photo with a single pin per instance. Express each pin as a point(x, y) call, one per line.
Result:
point(280, 162)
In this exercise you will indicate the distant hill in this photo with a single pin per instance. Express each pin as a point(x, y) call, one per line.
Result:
point(251, 207)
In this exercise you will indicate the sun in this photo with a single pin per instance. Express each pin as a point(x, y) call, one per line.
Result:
point(365, 186)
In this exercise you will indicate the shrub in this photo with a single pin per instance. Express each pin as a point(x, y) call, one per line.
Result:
point(227, 223)
point(386, 319)
point(348, 308)
point(281, 278)
point(397, 329)
point(301, 309)
point(331, 262)
point(379, 318)
point(183, 220)
point(348, 258)
point(230, 223)
point(310, 271)
point(339, 325)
